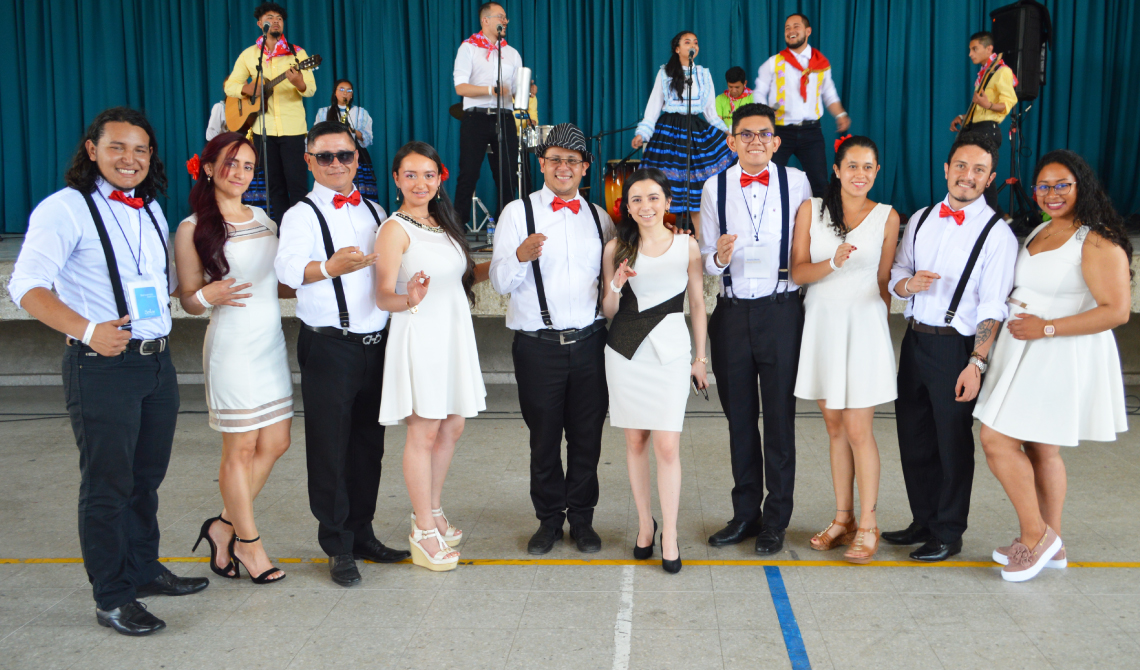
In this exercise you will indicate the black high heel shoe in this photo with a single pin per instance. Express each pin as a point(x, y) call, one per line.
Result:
point(230, 571)
point(670, 566)
point(643, 553)
point(263, 578)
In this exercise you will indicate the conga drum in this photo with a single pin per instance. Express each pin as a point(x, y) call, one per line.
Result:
point(617, 171)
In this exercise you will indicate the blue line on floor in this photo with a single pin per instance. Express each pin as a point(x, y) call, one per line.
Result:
point(797, 654)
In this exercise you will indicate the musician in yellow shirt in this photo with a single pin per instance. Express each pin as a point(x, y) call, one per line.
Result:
point(284, 123)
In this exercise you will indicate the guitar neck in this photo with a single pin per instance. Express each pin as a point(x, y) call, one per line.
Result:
point(276, 80)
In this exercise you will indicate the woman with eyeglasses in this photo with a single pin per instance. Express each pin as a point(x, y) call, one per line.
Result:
point(647, 272)
point(359, 121)
point(665, 129)
point(1055, 377)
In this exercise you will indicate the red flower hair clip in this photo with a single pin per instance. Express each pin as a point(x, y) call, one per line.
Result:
point(841, 140)
point(442, 171)
point(193, 166)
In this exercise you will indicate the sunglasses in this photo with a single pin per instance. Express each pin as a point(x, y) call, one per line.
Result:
point(325, 158)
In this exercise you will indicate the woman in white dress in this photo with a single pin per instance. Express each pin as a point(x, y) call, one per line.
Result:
point(1055, 377)
point(843, 247)
point(648, 271)
point(224, 253)
point(432, 378)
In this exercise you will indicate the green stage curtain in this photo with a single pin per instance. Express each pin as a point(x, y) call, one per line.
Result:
point(901, 67)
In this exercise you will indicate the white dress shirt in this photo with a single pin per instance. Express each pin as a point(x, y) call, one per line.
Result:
point(217, 124)
point(473, 67)
point(664, 99)
point(358, 118)
point(795, 108)
point(571, 263)
point(944, 248)
point(301, 243)
point(62, 249)
point(755, 217)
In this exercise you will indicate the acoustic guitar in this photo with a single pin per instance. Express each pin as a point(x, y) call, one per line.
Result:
point(242, 112)
point(991, 69)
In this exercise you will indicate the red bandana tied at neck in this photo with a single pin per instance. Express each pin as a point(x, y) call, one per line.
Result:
point(127, 200)
point(732, 101)
point(958, 216)
point(480, 40)
point(279, 49)
point(746, 179)
point(1001, 63)
point(559, 203)
point(339, 200)
point(817, 63)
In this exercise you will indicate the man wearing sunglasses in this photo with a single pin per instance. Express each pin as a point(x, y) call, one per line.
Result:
point(326, 253)
point(747, 218)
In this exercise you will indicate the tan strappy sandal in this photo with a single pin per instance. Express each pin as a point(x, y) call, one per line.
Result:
point(858, 553)
point(823, 542)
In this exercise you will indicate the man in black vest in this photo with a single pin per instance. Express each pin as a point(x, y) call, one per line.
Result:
point(326, 254)
point(548, 256)
point(954, 266)
point(102, 243)
point(747, 216)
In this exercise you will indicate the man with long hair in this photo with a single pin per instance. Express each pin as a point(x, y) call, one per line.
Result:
point(102, 243)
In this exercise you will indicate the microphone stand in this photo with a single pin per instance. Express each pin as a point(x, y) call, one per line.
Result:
point(685, 221)
point(263, 105)
point(500, 138)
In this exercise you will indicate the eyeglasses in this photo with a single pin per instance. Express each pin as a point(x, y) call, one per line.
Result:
point(325, 158)
point(344, 90)
point(501, 17)
point(747, 136)
point(1060, 189)
point(558, 160)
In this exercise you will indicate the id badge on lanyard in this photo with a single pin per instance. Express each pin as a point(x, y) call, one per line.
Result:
point(758, 261)
point(144, 298)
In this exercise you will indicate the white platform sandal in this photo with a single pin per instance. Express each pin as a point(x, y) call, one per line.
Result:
point(452, 537)
point(443, 560)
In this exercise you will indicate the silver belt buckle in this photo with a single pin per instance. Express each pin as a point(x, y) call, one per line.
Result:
point(372, 338)
point(148, 347)
point(562, 338)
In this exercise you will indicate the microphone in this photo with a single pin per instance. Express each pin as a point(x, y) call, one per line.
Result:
point(692, 54)
point(265, 28)
point(499, 29)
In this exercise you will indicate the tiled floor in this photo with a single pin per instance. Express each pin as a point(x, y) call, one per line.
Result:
point(548, 615)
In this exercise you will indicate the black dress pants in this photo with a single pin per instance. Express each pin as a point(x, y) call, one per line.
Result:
point(344, 441)
point(991, 130)
point(806, 144)
point(123, 410)
point(476, 133)
point(562, 388)
point(288, 175)
point(759, 339)
point(936, 436)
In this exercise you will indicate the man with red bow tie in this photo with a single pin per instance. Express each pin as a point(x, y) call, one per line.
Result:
point(747, 219)
point(548, 257)
point(102, 242)
point(797, 83)
point(954, 266)
point(326, 253)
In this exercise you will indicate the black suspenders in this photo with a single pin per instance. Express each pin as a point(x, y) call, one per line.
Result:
point(960, 290)
point(338, 285)
point(785, 206)
point(544, 308)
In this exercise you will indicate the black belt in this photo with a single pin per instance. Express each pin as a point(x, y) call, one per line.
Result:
point(920, 327)
point(144, 347)
point(569, 336)
point(812, 123)
point(982, 126)
point(360, 338)
point(489, 111)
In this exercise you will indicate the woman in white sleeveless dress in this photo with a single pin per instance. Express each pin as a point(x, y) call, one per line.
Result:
point(647, 272)
point(224, 254)
point(432, 377)
point(843, 247)
point(1055, 378)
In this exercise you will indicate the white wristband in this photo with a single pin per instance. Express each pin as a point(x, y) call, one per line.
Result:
point(906, 285)
point(324, 271)
point(614, 287)
point(490, 90)
point(86, 339)
point(202, 299)
point(831, 262)
point(841, 114)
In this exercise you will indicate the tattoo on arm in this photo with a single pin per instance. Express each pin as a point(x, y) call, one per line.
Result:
point(986, 330)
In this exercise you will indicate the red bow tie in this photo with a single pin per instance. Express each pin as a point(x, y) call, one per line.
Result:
point(339, 200)
point(127, 200)
point(559, 203)
point(958, 216)
point(746, 179)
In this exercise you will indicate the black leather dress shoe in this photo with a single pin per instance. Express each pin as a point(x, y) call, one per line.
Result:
point(343, 570)
point(587, 540)
point(734, 533)
point(168, 584)
point(769, 541)
point(375, 551)
point(130, 619)
point(915, 533)
point(543, 539)
point(936, 550)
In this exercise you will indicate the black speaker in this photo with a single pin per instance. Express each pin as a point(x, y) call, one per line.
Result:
point(1021, 34)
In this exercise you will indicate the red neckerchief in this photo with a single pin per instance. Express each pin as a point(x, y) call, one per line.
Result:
point(279, 49)
point(480, 40)
point(732, 101)
point(817, 63)
point(1001, 63)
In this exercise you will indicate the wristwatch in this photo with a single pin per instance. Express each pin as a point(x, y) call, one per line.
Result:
point(977, 360)
point(1050, 331)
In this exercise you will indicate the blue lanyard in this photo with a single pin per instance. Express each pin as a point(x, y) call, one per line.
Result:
point(763, 205)
point(137, 260)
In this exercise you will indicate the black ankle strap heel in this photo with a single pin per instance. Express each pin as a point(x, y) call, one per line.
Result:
point(263, 578)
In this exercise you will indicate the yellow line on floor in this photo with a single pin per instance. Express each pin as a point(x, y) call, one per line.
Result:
point(610, 561)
